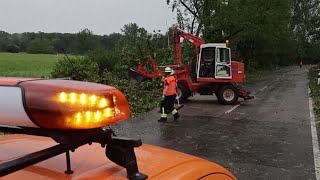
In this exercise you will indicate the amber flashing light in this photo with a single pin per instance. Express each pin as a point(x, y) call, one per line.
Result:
point(77, 105)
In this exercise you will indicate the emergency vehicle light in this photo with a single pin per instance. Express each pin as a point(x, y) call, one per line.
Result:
point(85, 100)
point(65, 104)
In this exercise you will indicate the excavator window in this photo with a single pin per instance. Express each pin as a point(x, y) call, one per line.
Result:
point(223, 63)
point(224, 55)
point(207, 62)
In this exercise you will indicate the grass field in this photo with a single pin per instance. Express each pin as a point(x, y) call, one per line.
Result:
point(27, 65)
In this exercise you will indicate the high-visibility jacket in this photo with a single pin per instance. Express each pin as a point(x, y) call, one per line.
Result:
point(170, 83)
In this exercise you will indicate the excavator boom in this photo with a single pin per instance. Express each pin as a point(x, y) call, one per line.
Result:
point(195, 40)
point(140, 73)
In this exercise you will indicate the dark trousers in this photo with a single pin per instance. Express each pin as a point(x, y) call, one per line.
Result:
point(168, 104)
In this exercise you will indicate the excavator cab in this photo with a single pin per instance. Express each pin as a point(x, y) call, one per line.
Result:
point(214, 62)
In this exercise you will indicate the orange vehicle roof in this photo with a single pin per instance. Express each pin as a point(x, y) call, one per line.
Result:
point(13, 80)
point(90, 162)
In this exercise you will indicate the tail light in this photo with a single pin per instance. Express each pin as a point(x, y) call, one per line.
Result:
point(63, 104)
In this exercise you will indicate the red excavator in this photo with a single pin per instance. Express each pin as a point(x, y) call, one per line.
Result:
point(213, 71)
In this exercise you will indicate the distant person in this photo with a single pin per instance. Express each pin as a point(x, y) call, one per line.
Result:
point(170, 93)
point(301, 64)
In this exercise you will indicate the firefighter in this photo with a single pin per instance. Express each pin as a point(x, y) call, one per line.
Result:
point(169, 94)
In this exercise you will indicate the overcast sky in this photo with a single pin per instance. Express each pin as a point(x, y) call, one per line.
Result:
point(100, 16)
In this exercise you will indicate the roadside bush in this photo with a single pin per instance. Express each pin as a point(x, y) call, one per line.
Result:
point(78, 68)
point(142, 100)
point(315, 90)
point(106, 60)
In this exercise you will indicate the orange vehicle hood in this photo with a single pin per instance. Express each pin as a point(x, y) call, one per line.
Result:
point(90, 162)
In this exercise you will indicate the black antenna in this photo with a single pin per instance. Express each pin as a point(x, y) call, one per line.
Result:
point(68, 59)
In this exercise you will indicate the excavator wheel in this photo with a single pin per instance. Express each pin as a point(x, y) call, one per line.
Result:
point(183, 93)
point(228, 94)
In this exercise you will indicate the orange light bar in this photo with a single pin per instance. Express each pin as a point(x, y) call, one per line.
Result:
point(65, 104)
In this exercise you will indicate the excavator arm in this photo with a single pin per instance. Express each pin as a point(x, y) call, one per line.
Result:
point(195, 40)
point(140, 73)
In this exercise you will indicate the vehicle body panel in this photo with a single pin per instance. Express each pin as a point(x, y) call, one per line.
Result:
point(13, 80)
point(90, 162)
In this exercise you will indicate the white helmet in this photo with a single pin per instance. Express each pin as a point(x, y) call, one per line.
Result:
point(168, 70)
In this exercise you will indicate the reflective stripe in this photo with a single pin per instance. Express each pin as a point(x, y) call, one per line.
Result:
point(163, 115)
point(174, 111)
point(12, 112)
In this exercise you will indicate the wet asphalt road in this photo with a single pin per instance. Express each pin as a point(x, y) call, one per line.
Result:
point(265, 138)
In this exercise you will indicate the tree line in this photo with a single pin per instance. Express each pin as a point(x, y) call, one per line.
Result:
point(262, 33)
point(51, 43)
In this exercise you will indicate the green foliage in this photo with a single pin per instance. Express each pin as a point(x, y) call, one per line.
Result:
point(77, 68)
point(262, 33)
point(4, 40)
point(12, 48)
point(110, 41)
point(106, 60)
point(40, 46)
point(144, 97)
point(315, 90)
point(76, 43)
point(86, 41)
point(135, 44)
point(313, 52)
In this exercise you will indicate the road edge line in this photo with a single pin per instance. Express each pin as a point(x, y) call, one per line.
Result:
point(233, 108)
point(314, 135)
point(262, 89)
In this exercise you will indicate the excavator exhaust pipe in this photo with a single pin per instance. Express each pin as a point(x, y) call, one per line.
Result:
point(136, 77)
